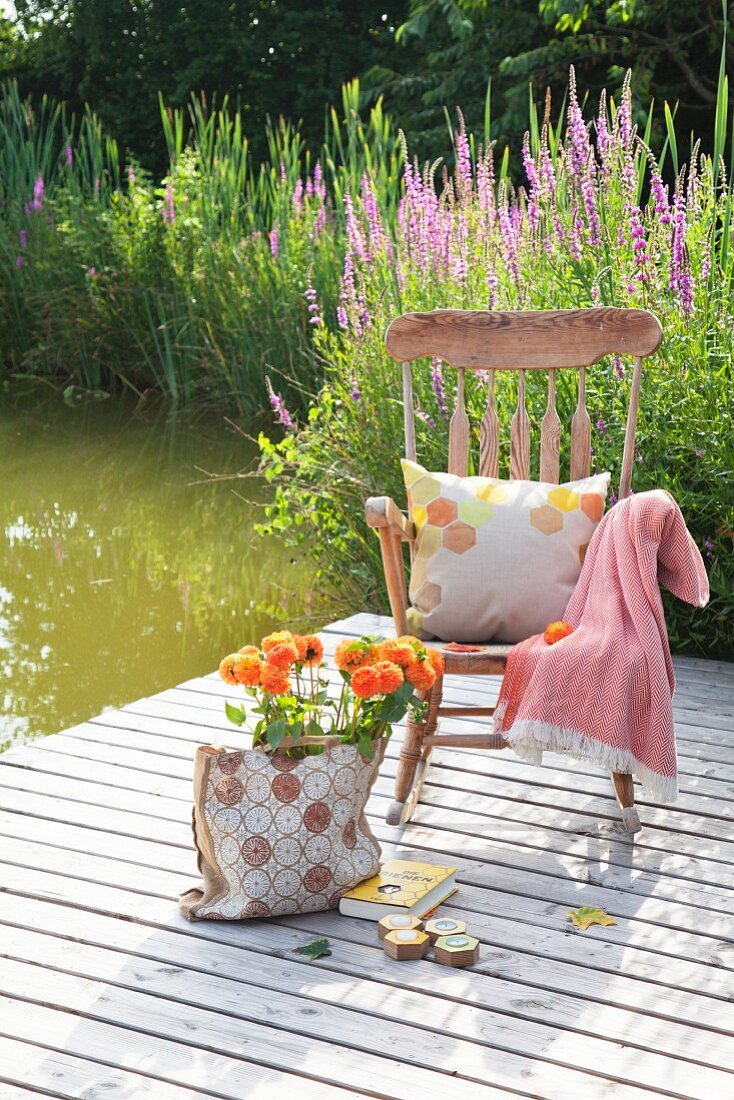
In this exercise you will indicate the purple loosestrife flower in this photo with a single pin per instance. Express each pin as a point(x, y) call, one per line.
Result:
point(319, 187)
point(23, 238)
point(699, 453)
point(618, 367)
point(341, 317)
point(612, 500)
point(297, 197)
point(355, 393)
point(577, 137)
point(273, 241)
point(278, 404)
point(313, 305)
point(169, 211)
point(588, 194)
point(637, 235)
point(438, 387)
point(603, 139)
point(624, 114)
point(131, 177)
point(659, 193)
point(601, 426)
point(708, 546)
point(319, 224)
point(680, 280)
point(92, 272)
point(39, 194)
point(422, 415)
point(463, 162)
point(534, 186)
point(69, 156)
point(19, 262)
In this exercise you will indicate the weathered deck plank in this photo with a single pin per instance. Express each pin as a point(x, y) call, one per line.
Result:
point(105, 989)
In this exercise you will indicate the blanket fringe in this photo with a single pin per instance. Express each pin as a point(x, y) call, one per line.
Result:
point(530, 739)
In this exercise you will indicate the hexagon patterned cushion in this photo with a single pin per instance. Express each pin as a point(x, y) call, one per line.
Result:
point(496, 560)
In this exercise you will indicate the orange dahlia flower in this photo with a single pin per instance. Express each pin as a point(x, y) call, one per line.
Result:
point(282, 655)
point(436, 660)
point(421, 675)
point(396, 650)
point(275, 639)
point(247, 667)
point(366, 682)
point(310, 649)
point(390, 676)
point(226, 668)
point(352, 654)
point(555, 631)
point(274, 680)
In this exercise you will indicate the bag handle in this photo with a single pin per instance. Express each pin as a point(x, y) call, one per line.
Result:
point(328, 739)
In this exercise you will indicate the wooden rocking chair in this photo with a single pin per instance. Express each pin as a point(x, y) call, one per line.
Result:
point(492, 341)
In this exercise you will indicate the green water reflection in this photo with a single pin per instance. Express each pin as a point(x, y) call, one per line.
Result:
point(119, 576)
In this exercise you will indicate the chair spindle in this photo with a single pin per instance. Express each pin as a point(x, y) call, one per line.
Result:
point(459, 432)
point(489, 439)
point(625, 482)
point(408, 413)
point(581, 434)
point(550, 435)
point(520, 435)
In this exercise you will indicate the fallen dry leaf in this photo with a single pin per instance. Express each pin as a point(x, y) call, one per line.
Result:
point(587, 915)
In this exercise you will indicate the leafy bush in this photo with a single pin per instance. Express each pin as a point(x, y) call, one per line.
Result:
point(595, 224)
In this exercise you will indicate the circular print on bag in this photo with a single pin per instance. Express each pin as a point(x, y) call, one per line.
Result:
point(258, 788)
point(258, 819)
point(314, 904)
point(255, 884)
point(344, 781)
point(256, 851)
point(229, 849)
point(287, 820)
point(349, 836)
point(228, 821)
point(284, 906)
point(345, 874)
point(317, 849)
point(256, 909)
point(317, 879)
point(335, 898)
point(343, 754)
point(316, 817)
point(283, 763)
point(342, 810)
point(287, 851)
point(230, 908)
point(286, 788)
point(287, 883)
point(229, 762)
point(316, 784)
point(364, 861)
point(229, 791)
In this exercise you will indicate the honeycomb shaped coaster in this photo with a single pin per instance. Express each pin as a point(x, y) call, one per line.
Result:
point(406, 943)
point(444, 926)
point(457, 950)
point(395, 921)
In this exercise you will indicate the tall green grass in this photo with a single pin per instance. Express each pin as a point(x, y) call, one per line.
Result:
point(195, 285)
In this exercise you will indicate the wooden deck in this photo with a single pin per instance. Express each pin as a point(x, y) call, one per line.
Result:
point(106, 991)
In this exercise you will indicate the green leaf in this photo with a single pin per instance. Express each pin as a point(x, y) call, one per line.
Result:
point(235, 714)
point(588, 915)
point(365, 746)
point(275, 732)
point(316, 949)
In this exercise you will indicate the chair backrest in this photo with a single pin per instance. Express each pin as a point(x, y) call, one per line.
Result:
point(519, 341)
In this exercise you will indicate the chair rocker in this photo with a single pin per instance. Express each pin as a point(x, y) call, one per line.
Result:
point(469, 340)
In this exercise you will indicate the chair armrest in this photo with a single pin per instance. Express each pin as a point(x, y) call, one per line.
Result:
point(384, 512)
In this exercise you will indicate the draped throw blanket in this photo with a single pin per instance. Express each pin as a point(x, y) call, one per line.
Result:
point(604, 693)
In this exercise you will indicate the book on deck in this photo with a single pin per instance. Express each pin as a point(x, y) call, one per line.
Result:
point(402, 886)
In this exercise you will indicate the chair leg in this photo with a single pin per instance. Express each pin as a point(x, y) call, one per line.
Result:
point(625, 791)
point(414, 761)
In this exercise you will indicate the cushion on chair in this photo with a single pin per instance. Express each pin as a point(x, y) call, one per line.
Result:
point(496, 560)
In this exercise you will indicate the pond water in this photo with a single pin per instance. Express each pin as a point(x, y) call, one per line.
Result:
point(122, 570)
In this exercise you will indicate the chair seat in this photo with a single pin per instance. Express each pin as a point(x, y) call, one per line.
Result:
point(481, 659)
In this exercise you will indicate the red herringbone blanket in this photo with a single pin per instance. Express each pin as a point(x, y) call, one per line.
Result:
point(604, 693)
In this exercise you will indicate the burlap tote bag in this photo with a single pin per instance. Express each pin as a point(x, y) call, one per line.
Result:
point(276, 835)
